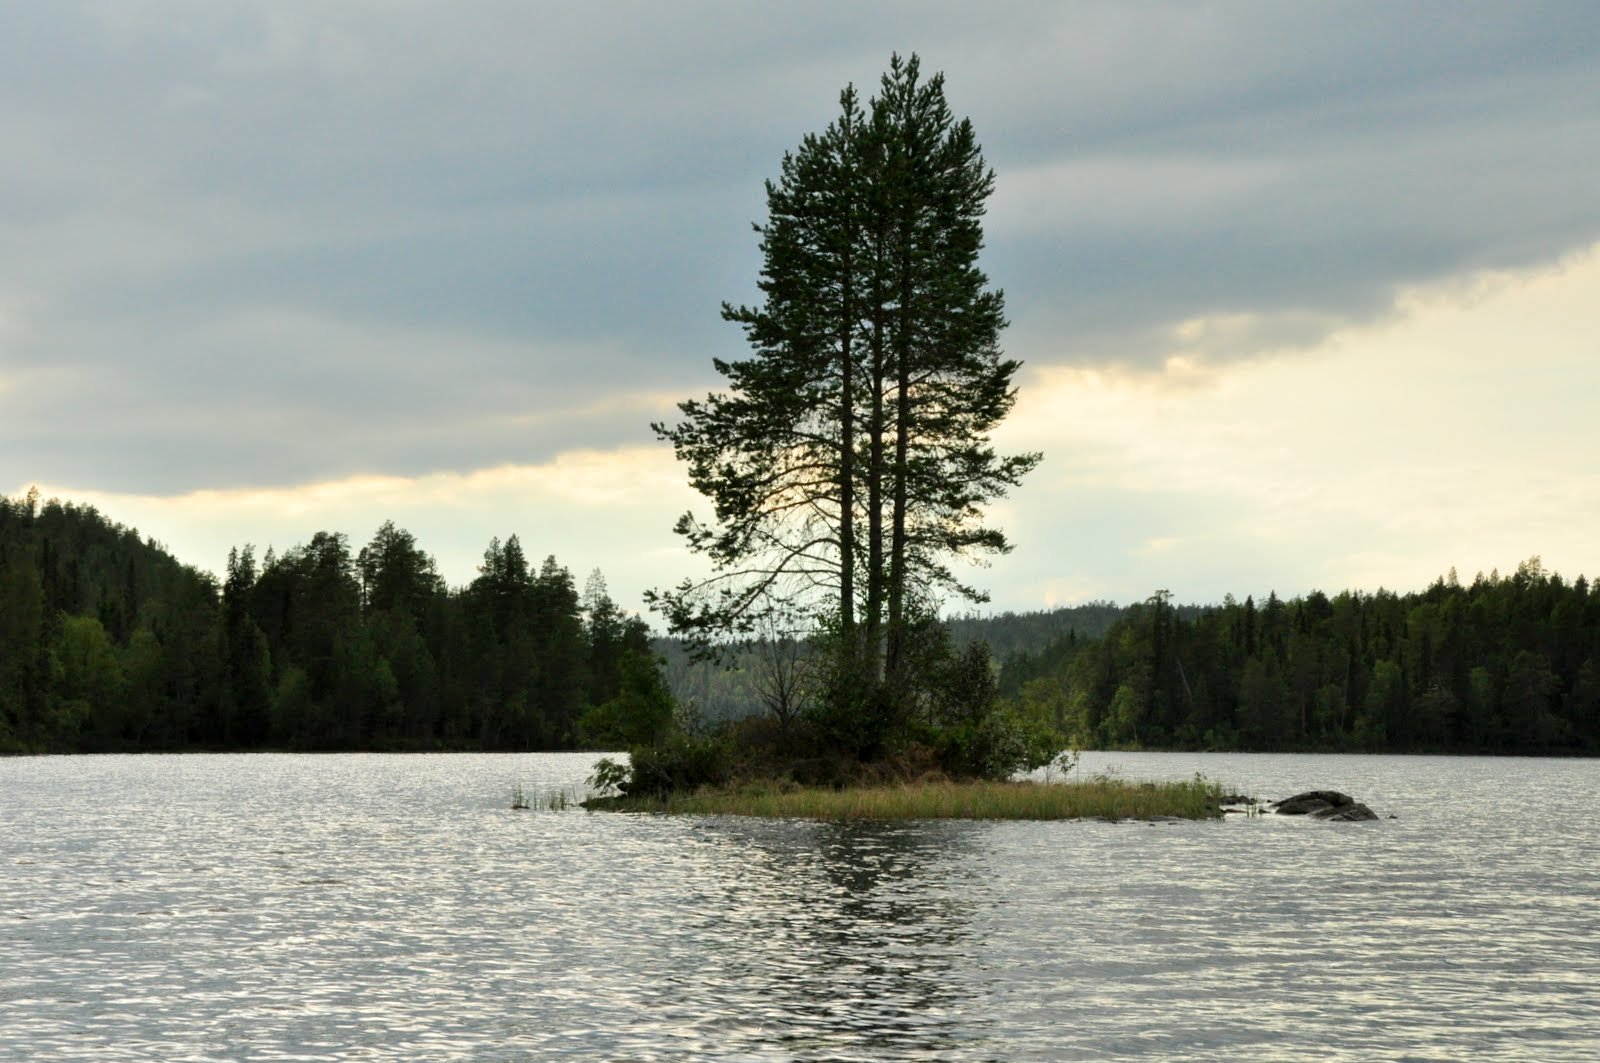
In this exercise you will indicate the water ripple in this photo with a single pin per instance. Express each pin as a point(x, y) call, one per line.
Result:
point(388, 908)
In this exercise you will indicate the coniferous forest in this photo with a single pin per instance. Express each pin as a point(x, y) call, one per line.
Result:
point(107, 643)
point(1505, 664)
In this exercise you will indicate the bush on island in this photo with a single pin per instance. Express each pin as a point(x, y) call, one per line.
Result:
point(946, 723)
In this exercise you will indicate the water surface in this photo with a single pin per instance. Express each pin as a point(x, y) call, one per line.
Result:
point(394, 907)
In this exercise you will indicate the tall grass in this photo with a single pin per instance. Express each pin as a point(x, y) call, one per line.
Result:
point(1096, 798)
point(552, 800)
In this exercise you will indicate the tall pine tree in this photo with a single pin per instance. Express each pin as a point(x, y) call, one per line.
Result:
point(848, 460)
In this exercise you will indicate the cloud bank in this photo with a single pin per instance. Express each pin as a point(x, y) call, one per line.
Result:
point(250, 249)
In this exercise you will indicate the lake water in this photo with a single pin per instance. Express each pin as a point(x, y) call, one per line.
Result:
point(394, 907)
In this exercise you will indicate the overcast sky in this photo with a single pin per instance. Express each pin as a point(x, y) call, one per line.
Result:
point(1307, 295)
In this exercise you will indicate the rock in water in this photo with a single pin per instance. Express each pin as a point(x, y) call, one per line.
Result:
point(1312, 801)
point(1325, 804)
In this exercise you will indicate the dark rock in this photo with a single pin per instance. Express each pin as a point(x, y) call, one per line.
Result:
point(1356, 812)
point(1313, 802)
point(1330, 805)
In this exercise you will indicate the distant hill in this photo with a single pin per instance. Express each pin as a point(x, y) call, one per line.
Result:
point(1010, 633)
point(97, 625)
point(728, 688)
point(1502, 665)
point(89, 565)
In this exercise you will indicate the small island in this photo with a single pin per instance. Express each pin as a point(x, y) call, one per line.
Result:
point(848, 463)
point(1098, 798)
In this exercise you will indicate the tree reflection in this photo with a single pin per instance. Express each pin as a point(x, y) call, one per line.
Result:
point(857, 937)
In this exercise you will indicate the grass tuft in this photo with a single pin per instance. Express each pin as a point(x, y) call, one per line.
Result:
point(1095, 798)
point(555, 800)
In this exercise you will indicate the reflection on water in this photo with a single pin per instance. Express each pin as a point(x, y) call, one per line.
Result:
point(857, 936)
point(221, 908)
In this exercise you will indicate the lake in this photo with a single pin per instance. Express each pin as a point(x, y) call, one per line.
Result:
point(283, 907)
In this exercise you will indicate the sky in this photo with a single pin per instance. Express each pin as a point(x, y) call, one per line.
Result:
point(1307, 296)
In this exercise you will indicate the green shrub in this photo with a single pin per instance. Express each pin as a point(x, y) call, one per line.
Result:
point(975, 733)
point(850, 713)
point(609, 777)
point(680, 763)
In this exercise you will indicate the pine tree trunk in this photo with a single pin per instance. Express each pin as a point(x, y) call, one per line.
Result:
point(875, 432)
point(847, 458)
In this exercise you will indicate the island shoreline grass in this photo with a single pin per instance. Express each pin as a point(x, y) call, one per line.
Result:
point(1096, 798)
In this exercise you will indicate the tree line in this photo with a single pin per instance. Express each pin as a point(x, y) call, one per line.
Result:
point(1501, 665)
point(108, 643)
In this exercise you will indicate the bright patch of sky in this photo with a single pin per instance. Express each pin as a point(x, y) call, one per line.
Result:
point(1306, 299)
point(1455, 433)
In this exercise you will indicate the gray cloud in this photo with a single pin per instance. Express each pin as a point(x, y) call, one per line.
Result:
point(269, 243)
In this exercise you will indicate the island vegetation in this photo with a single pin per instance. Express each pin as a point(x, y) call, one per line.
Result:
point(847, 463)
point(937, 797)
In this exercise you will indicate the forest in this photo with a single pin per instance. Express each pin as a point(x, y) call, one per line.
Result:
point(107, 643)
point(1503, 665)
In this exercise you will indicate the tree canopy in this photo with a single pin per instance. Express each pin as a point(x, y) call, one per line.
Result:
point(108, 643)
point(848, 460)
point(1500, 665)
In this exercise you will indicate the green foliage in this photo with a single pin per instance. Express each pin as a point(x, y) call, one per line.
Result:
point(640, 715)
point(679, 763)
point(852, 712)
point(107, 643)
point(1498, 666)
point(24, 659)
point(295, 716)
point(89, 681)
point(975, 733)
point(609, 777)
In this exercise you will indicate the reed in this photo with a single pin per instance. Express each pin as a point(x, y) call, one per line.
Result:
point(552, 800)
point(1095, 798)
